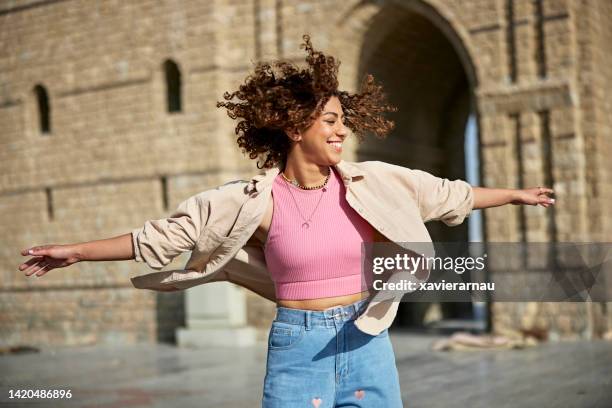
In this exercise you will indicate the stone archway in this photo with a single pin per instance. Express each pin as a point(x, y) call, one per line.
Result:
point(428, 75)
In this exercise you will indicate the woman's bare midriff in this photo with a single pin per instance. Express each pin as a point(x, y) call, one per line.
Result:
point(322, 303)
point(260, 236)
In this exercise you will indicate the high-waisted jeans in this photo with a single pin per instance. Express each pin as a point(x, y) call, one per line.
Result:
point(321, 359)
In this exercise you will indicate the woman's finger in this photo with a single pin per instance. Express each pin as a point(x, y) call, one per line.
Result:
point(34, 251)
point(30, 262)
point(43, 270)
point(32, 268)
point(40, 267)
point(28, 269)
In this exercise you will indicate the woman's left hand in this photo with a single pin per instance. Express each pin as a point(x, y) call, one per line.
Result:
point(534, 196)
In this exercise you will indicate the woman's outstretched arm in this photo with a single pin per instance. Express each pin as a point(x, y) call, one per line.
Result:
point(494, 197)
point(157, 242)
point(47, 257)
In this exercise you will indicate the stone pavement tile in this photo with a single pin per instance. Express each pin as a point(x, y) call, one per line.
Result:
point(569, 374)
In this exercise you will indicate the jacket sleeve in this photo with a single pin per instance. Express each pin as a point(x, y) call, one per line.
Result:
point(442, 199)
point(157, 242)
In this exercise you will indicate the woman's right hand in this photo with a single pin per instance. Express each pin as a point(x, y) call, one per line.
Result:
point(47, 257)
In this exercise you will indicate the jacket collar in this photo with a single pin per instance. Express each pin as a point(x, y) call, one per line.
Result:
point(348, 171)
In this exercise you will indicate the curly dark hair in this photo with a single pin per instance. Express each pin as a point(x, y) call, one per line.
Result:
point(270, 102)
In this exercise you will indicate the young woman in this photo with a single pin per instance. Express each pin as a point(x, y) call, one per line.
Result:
point(308, 216)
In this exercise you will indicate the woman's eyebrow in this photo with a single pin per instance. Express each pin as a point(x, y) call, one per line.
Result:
point(332, 113)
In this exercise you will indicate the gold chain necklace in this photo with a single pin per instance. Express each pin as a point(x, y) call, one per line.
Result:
point(295, 182)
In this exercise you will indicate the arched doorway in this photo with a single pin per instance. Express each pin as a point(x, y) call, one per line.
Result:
point(428, 75)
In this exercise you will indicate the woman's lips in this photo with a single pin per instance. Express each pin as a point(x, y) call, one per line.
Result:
point(337, 146)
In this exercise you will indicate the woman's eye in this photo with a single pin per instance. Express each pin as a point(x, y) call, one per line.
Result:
point(331, 122)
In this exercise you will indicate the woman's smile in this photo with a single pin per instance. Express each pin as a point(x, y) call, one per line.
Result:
point(336, 145)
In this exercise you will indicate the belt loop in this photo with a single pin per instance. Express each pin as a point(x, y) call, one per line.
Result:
point(308, 320)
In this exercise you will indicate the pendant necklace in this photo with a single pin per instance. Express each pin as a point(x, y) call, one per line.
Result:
point(306, 223)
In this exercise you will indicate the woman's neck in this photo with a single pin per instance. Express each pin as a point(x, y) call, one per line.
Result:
point(308, 175)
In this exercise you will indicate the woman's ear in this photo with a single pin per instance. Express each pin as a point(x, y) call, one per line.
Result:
point(294, 135)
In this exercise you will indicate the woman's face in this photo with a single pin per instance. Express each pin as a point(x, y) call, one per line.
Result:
point(322, 142)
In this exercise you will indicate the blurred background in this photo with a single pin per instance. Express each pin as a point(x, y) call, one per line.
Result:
point(108, 119)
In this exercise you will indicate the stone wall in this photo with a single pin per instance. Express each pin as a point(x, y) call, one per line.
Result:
point(537, 73)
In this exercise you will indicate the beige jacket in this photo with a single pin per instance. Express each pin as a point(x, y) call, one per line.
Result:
point(216, 225)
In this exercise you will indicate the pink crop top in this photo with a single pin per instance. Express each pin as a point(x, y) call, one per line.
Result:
point(324, 259)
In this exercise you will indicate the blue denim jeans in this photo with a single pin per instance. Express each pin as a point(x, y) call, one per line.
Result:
point(321, 359)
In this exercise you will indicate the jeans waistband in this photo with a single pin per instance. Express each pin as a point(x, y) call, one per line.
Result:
point(323, 318)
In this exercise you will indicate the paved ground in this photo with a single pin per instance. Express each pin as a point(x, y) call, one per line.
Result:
point(576, 374)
